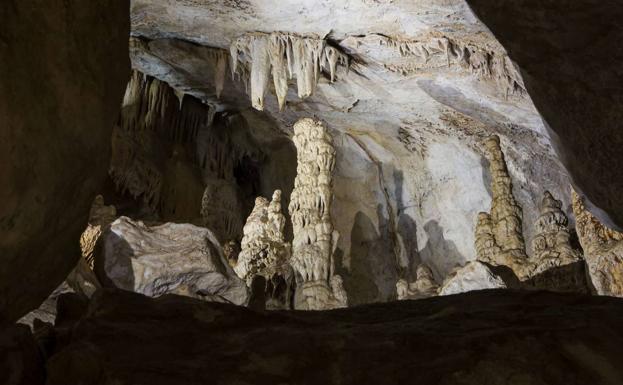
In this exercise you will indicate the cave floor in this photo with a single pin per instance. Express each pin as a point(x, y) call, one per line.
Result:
point(484, 337)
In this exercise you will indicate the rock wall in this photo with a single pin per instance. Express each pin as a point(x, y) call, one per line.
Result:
point(64, 66)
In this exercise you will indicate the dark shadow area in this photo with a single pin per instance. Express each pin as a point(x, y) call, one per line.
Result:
point(571, 278)
point(438, 249)
point(407, 230)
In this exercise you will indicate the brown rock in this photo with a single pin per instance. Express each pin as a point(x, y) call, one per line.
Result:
point(64, 65)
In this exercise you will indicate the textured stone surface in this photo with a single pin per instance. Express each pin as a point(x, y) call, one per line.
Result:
point(168, 258)
point(64, 65)
point(473, 276)
point(552, 48)
point(603, 251)
point(486, 337)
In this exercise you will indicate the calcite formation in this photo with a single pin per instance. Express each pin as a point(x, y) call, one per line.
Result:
point(169, 258)
point(499, 237)
point(551, 246)
point(310, 212)
point(263, 249)
point(474, 275)
point(100, 216)
point(424, 285)
point(284, 56)
point(603, 250)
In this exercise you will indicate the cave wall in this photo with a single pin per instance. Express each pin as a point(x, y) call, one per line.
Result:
point(571, 64)
point(64, 67)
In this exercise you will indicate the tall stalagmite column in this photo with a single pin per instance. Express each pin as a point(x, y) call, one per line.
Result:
point(310, 212)
point(499, 238)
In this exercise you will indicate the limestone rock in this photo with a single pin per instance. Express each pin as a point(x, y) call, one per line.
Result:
point(424, 285)
point(100, 216)
point(551, 247)
point(499, 235)
point(21, 362)
point(310, 211)
point(603, 250)
point(47, 310)
point(64, 66)
point(169, 258)
point(473, 276)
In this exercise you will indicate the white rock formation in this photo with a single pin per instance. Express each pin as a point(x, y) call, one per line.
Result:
point(263, 249)
point(310, 212)
point(473, 276)
point(169, 258)
point(285, 56)
point(424, 285)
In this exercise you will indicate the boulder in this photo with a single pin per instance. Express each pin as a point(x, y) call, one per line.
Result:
point(169, 258)
point(473, 276)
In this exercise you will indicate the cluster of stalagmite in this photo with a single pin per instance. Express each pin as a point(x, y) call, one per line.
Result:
point(284, 56)
point(499, 238)
point(310, 211)
point(603, 250)
point(423, 286)
point(551, 246)
point(263, 249)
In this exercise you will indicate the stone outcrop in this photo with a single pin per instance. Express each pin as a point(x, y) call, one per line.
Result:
point(485, 337)
point(310, 211)
point(64, 66)
point(474, 275)
point(169, 258)
point(424, 285)
point(285, 57)
point(551, 247)
point(603, 250)
point(499, 236)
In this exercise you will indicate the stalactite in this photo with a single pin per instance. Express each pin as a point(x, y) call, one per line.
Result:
point(151, 110)
point(310, 211)
point(289, 56)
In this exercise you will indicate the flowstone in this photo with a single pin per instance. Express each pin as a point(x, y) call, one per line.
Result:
point(310, 211)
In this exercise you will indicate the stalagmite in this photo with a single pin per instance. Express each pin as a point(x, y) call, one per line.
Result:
point(100, 217)
point(424, 285)
point(310, 212)
point(499, 239)
point(551, 246)
point(603, 250)
point(221, 209)
point(285, 56)
point(263, 249)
